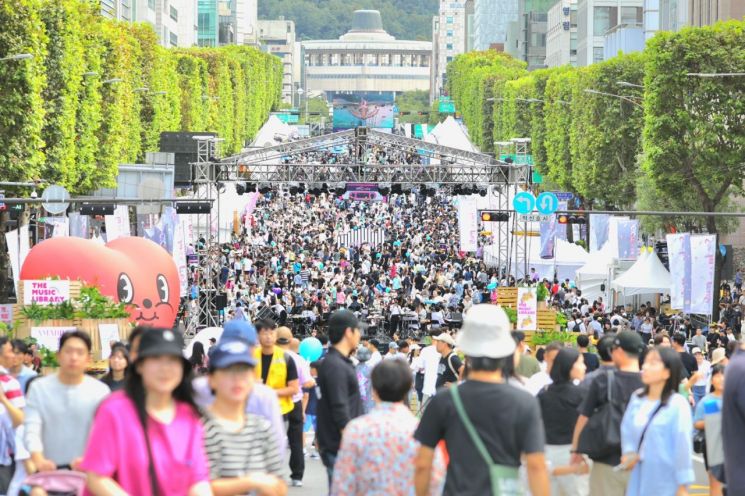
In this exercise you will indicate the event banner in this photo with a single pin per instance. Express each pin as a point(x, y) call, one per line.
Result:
point(6, 314)
point(599, 226)
point(117, 225)
point(679, 254)
point(79, 225)
point(107, 333)
point(527, 309)
point(548, 236)
point(703, 260)
point(628, 239)
point(468, 223)
point(179, 257)
point(45, 292)
point(18, 248)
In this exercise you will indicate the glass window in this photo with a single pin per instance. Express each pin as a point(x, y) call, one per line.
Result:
point(450, 32)
point(151, 4)
point(632, 15)
point(449, 20)
point(604, 18)
point(597, 54)
point(449, 59)
point(174, 13)
point(174, 39)
point(449, 46)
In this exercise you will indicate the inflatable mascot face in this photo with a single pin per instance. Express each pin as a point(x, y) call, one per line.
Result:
point(130, 270)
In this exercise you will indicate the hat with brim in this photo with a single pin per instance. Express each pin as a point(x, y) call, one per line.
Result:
point(230, 352)
point(718, 355)
point(160, 342)
point(445, 338)
point(486, 333)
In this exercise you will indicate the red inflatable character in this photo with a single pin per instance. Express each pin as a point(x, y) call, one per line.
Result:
point(131, 270)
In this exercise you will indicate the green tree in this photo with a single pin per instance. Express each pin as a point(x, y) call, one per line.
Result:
point(416, 103)
point(557, 108)
point(694, 128)
point(606, 131)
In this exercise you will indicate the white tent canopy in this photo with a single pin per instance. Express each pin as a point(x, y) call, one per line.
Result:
point(272, 129)
point(568, 257)
point(450, 133)
point(646, 276)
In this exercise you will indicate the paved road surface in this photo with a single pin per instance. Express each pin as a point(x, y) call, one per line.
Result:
point(314, 483)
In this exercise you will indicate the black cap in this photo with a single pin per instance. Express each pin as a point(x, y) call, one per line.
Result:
point(158, 342)
point(341, 320)
point(629, 341)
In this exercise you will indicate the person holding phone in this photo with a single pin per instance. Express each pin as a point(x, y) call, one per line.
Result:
point(656, 430)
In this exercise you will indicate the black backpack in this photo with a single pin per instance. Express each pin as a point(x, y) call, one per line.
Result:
point(601, 437)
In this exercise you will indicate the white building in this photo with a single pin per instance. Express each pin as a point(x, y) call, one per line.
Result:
point(561, 34)
point(366, 59)
point(278, 38)
point(596, 19)
point(174, 21)
point(246, 14)
point(448, 40)
point(490, 21)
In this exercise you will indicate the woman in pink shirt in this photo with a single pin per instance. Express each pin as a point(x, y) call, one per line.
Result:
point(168, 457)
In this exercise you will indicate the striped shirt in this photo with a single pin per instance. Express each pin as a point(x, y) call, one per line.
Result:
point(253, 449)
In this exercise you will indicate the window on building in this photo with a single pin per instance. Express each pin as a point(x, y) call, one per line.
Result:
point(449, 46)
point(597, 54)
point(174, 13)
point(632, 15)
point(449, 59)
point(449, 20)
point(450, 32)
point(151, 4)
point(604, 18)
point(174, 39)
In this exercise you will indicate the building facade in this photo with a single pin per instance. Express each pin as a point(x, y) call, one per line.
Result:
point(596, 19)
point(366, 59)
point(526, 37)
point(561, 34)
point(448, 40)
point(491, 19)
point(227, 22)
point(174, 21)
point(278, 38)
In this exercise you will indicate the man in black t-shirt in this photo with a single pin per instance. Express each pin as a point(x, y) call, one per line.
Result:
point(507, 420)
point(592, 362)
point(626, 379)
point(689, 361)
point(450, 366)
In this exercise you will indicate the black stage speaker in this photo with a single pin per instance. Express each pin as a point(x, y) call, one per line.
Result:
point(184, 147)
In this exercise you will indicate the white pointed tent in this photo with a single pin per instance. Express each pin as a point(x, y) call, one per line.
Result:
point(450, 133)
point(272, 129)
point(646, 276)
point(594, 274)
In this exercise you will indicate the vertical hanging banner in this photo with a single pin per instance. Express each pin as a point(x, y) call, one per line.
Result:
point(548, 236)
point(117, 225)
point(628, 239)
point(703, 260)
point(18, 247)
point(179, 256)
point(79, 225)
point(527, 309)
point(679, 255)
point(468, 223)
point(599, 227)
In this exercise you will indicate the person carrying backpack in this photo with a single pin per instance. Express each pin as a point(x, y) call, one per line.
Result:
point(597, 432)
point(450, 367)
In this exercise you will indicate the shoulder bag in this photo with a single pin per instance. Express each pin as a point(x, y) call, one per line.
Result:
point(505, 480)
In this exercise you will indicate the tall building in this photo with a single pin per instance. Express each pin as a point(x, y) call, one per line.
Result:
point(561, 34)
point(598, 18)
point(174, 21)
point(278, 38)
point(227, 22)
point(672, 15)
point(490, 21)
point(448, 40)
point(470, 26)
point(526, 36)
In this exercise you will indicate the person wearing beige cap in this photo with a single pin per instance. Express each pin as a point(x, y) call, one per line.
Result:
point(487, 425)
point(450, 366)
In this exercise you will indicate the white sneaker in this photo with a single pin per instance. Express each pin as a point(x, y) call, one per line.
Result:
point(296, 483)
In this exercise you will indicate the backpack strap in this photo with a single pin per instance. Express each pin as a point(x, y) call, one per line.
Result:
point(450, 366)
point(480, 447)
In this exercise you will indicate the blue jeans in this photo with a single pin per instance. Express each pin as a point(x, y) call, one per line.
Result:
point(698, 393)
point(329, 459)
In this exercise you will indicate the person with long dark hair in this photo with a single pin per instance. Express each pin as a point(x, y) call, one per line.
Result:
point(148, 439)
point(118, 363)
point(199, 360)
point(560, 403)
point(656, 430)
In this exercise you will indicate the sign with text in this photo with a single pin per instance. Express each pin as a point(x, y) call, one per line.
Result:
point(45, 292)
point(527, 309)
point(48, 337)
point(6, 314)
point(108, 333)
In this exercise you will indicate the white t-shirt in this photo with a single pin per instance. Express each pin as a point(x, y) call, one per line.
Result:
point(431, 359)
point(537, 382)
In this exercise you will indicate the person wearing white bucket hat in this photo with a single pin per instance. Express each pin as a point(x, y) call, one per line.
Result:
point(486, 424)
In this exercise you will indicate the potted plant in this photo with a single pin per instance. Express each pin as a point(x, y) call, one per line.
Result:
point(49, 363)
point(541, 296)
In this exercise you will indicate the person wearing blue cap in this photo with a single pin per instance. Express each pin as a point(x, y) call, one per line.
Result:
point(263, 400)
point(242, 451)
